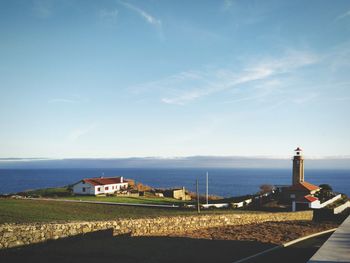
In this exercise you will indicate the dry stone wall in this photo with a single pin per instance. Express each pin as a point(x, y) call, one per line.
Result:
point(12, 235)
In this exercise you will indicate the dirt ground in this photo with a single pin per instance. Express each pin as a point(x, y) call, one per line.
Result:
point(268, 232)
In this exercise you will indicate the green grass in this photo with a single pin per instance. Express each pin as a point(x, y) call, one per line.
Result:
point(50, 192)
point(135, 200)
point(27, 211)
point(64, 193)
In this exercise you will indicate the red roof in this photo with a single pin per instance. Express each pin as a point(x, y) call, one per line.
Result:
point(304, 186)
point(104, 181)
point(308, 198)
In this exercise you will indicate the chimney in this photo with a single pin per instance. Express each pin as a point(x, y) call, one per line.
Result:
point(121, 179)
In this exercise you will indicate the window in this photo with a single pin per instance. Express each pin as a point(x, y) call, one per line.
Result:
point(84, 189)
point(292, 196)
point(99, 189)
point(106, 188)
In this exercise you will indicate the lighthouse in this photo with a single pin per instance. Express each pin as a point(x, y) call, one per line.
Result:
point(301, 193)
point(298, 167)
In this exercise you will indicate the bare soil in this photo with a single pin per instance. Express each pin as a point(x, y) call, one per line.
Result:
point(268, 232)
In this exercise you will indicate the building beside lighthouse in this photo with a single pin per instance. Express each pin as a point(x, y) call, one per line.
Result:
point(300, 193)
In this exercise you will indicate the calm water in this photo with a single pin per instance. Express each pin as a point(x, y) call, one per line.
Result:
point(223, 182)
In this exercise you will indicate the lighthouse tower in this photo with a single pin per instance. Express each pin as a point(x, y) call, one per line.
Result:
point(298, 167)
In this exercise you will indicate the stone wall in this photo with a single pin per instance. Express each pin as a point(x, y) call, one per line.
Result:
point(12, 235)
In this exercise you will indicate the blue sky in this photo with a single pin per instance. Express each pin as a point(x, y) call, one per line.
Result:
point(174, 78)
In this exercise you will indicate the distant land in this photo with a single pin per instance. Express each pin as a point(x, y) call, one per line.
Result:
point(173, 162)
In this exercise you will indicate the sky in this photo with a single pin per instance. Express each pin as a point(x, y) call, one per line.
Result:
point(108, 79)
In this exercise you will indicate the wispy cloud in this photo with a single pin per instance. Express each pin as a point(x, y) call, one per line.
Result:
point(108, 15)
point(227, 4)
point(259, 92)
point(305, 98)
point(145, 15)
point(75, 134)
point(72, 100)
point(43, 8)
point(342, 98)
point(58, 100)
point(342, 16)
point(188, 86)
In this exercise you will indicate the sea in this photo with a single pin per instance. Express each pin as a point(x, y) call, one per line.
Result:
point(222, 182)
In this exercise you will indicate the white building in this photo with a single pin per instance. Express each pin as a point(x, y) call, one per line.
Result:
point(313, 202)
point(96, 186)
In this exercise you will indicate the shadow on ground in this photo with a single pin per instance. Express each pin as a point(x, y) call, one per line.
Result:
point(298, 253)
point(103, 247)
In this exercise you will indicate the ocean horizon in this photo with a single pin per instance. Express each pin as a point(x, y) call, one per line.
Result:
point(224, 182)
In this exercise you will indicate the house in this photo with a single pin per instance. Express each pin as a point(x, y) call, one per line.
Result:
point(300, 190)
point(101, 185)
point(310, 201)
point(177, 193)
point(305, 202)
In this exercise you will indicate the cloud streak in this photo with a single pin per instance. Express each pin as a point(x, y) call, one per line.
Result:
point(142, 13)
point(108, 15)
point(227, 4)
point(342, 16)
point(43, 8)
point(78, 133)
point(74, 100)
point(189, 86)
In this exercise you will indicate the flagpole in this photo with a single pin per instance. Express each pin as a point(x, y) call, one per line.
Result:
point(197, 190)
point(207, 190)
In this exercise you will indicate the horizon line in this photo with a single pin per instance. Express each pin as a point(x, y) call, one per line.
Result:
point(267, 157)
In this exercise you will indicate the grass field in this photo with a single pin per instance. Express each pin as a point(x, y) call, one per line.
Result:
point(49, 192)
point(62, 192)
point(26, 211)
point(135, 200)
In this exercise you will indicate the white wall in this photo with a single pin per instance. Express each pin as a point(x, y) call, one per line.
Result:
point(223, 205)
point(331, 200)
point(111, 188)
point(93, 190)
point(78, 189)
point(341, 208)
point(317, 205)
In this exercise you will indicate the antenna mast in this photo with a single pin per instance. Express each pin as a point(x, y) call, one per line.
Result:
point(207, 188)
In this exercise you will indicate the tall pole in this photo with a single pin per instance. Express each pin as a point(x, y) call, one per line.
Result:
point(207, 189)
point(198, 208)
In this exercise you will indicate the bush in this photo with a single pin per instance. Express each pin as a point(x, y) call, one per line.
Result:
point(326, 187)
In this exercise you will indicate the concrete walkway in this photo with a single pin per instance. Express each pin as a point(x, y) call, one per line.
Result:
point(336, 248)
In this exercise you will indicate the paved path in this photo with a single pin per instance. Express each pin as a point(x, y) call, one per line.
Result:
point(337, 247)
point(102, 203)
point(297, 253)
